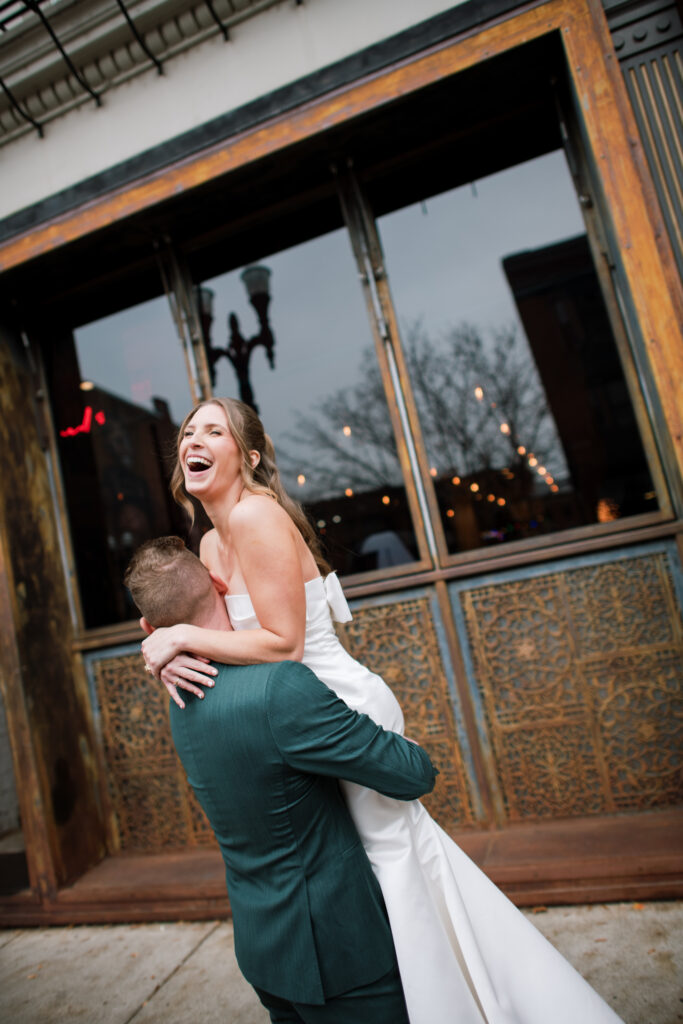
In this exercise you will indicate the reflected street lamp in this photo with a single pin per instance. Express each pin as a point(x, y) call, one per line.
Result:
point(256, 280)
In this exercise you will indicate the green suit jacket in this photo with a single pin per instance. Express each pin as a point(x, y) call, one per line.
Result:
point(263, 752)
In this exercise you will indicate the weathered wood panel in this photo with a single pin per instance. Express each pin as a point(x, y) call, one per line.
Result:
point(648, 39)
point(45, 697)
point(649, 270)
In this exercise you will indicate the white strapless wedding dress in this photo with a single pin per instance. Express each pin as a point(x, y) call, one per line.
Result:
point(465, 953)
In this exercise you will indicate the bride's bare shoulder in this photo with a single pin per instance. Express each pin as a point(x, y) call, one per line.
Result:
point(258, 511)
point(208, 547)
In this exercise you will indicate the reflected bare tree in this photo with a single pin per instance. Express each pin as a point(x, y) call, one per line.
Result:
point(462, 432)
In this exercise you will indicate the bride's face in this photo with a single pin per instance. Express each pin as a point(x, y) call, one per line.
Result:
point(208, 453)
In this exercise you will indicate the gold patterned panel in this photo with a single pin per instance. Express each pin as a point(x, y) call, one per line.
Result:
point(622, 605)
point(557, 763)
point(640, 714)
point(399, 642)
point(580, 675)
point(153, 805)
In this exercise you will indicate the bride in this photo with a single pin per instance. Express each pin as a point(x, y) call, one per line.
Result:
point(465, 953)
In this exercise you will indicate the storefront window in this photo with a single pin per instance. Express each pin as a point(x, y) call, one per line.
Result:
point(524, 407)
point(322, 402)
point(118, 388)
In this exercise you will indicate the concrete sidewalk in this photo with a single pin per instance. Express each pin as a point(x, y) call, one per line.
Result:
point(186, 973)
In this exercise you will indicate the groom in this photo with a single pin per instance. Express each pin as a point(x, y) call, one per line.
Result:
point(263, 752)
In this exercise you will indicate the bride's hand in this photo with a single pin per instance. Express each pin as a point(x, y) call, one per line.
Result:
point(161, 646)
point(184, 671)
point(163, 651)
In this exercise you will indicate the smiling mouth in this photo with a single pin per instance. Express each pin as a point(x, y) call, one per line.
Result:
point(197, 464)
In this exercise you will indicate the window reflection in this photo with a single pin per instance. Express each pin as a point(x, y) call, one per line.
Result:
point(523, 404)
point(117, 385)
point(136, 356)
point(322, 402)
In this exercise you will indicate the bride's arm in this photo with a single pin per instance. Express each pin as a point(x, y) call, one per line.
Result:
point(263, 539)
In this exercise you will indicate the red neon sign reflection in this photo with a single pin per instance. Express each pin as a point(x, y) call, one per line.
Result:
point(85, 426)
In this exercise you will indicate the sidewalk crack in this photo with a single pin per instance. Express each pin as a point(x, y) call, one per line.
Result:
point(175, 970)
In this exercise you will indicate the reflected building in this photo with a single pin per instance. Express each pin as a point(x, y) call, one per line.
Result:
point(116, 466)
point(565, 320)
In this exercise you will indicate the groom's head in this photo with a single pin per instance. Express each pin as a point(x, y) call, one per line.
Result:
point(170, 585)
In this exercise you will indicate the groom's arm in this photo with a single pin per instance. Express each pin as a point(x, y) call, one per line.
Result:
point(316, 732)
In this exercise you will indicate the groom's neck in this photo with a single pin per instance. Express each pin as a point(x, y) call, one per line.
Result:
point(215, 618)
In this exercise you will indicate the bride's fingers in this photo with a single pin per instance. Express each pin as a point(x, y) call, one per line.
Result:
point(186, 676)
point(174, 680)
point(175, 696)
point(192, 668)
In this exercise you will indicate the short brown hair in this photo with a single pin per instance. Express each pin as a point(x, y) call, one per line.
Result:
point(168, 583)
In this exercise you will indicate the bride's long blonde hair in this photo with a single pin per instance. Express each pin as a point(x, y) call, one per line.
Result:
point(264, 478)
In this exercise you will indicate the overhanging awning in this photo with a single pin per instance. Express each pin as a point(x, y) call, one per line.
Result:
point(58, 54)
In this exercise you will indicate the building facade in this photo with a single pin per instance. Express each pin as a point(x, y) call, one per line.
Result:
point(440, 248)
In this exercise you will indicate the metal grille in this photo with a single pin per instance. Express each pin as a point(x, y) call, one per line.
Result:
point(152, 804)
point(580, 677)
point(399, 641)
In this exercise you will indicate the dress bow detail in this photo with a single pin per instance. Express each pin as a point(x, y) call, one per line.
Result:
point(336, 600)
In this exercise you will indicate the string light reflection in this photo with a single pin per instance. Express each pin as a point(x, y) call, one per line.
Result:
point(521, 449)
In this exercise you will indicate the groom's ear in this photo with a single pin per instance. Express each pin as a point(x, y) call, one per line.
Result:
point(144, 624)
point(219, 584)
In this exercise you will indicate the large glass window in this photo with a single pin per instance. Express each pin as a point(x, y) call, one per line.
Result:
point(118, 388)
point(521, 396)
point(522, 399)
point(322, 401)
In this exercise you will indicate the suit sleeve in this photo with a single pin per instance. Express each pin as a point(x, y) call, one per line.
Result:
point(318, 733)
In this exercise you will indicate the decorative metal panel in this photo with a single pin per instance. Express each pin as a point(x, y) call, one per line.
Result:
point(580, 678)
point(154, 808)
point(399, 641)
